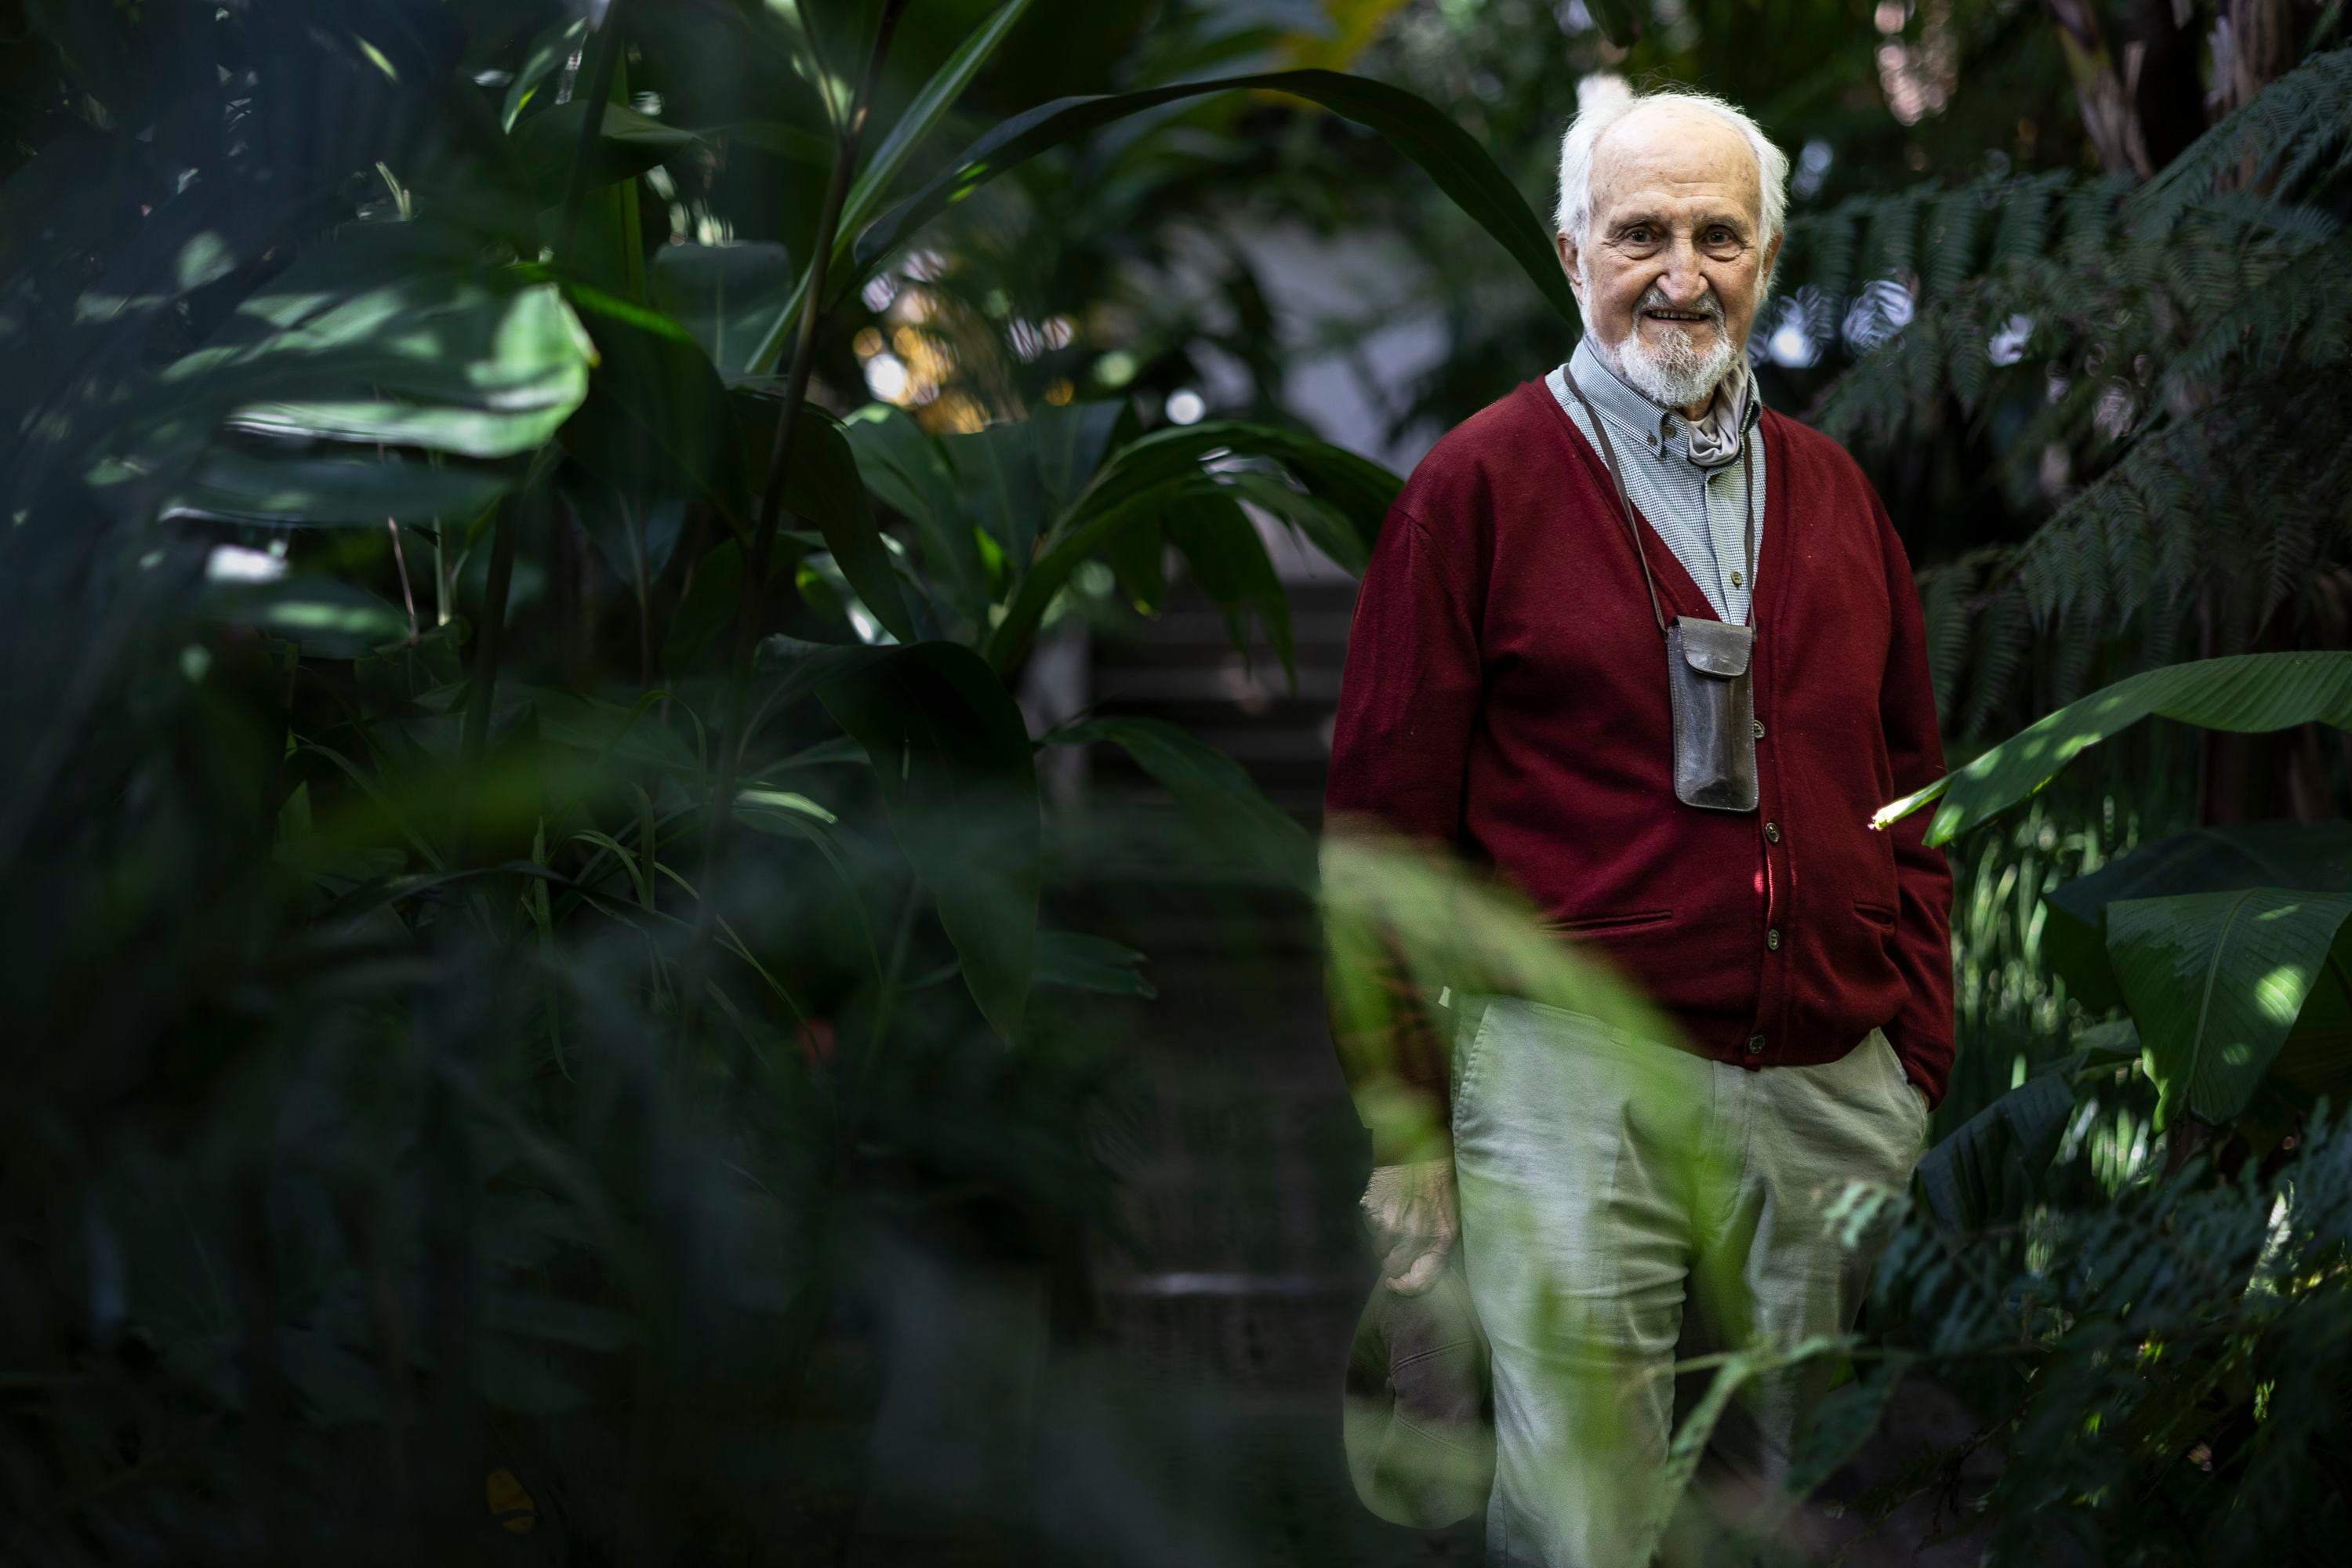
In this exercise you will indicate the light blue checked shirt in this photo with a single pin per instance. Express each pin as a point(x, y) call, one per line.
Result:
point(1701, 513)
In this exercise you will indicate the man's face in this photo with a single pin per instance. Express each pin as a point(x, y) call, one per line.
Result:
point(1672, 266)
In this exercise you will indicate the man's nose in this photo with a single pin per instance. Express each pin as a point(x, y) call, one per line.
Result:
point(1682, 283)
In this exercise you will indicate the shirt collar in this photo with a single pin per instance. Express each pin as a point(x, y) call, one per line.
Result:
point(1665, 430)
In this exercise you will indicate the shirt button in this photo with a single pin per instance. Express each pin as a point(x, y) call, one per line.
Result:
point(1755, 1045)
point(1772, 939)
point(1772, 833)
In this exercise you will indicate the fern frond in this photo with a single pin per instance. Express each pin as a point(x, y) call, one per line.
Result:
point(2273, 142)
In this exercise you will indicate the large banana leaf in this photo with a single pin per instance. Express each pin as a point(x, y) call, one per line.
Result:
point(2230, 987)
point(2247, 693)
point(2315, 855)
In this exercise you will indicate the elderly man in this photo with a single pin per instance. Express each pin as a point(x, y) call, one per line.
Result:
point(1653, 653)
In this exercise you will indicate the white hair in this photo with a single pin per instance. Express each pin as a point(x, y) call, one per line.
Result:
point(1602, 100)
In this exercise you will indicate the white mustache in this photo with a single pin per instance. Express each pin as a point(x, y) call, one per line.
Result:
point(1655, 298)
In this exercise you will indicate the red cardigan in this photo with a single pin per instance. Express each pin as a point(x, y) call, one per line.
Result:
point(1505, 696)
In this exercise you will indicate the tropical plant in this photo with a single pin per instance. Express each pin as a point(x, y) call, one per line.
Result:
point(2240, 992)
point(523, 860)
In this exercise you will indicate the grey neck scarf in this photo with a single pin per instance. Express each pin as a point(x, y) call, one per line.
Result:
point(1719, 437)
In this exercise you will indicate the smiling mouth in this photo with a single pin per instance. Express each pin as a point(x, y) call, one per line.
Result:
point(1678, 315)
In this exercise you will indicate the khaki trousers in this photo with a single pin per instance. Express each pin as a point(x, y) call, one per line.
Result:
point(1625, 1205)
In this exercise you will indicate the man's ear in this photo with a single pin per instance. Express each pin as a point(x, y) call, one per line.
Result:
point(1567, 258)
point(1771, 263)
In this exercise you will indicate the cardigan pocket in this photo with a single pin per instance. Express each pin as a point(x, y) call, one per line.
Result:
point(1878, 915)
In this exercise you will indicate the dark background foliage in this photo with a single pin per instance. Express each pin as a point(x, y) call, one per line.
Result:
point(566, 997)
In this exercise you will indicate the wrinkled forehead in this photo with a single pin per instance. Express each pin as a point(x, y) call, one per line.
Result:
point(1674, 153)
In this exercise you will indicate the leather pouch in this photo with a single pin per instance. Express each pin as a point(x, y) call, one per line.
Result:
point(1714, 713)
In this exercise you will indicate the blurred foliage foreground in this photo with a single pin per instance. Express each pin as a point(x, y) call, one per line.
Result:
point(527, 893)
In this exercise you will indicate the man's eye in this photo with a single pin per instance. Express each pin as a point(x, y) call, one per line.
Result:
point(1718, 237)
point(1638, 236)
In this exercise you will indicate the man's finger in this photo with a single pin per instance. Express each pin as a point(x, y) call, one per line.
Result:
point(1422, 1274)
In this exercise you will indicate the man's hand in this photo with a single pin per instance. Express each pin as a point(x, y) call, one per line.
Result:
point(1412, 1212)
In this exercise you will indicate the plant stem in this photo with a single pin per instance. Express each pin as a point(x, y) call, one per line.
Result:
point(733, 739)
point(493, 629)
point(603, 56)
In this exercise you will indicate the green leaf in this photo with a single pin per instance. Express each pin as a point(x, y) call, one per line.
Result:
point(785, 140)
point(637, 538)
point(873, 183)
point(393, 335)
point(318, 615)
point(1216, 793)
point(1449, 154)
point(655, 424)
point(1230, 562)
point(1326, 526)
point(548, 51)
point(1835, 1430)
point(924, 112)
point(2245, 694)
point(709, 604)
point(1989, 1170)
point(723, 294)
point(953, 760)
point(627, 143)
point(1137, 558)
point(908, 471)
point(400, 674)
point(2315, 855)
point(823, 485)
point(1081, 963)
point(610, 733)
point(1143, 480)
point(2219, 983)
point(236, 483)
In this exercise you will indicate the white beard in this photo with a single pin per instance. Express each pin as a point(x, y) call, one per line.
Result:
point(1675, 375)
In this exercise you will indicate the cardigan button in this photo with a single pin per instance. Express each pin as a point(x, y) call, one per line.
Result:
point(1755, 1045)
point(1772, 939)
point(1772, 833)
point(1758, 725)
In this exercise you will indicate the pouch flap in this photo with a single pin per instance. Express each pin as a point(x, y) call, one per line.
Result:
point(1716, 647)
